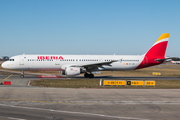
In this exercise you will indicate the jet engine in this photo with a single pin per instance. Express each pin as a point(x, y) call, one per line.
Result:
point(71, 71)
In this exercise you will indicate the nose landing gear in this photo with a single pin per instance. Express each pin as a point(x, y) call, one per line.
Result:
point(22, 74)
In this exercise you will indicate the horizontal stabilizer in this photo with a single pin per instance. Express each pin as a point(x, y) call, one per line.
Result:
point(167, 58)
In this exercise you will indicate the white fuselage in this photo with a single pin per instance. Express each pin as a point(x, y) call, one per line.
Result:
point(60, 62)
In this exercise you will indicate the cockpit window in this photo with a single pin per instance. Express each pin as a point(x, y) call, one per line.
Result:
point(11, 60)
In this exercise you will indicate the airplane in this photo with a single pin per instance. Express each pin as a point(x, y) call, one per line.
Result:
point(72, 65)
point(175, 62)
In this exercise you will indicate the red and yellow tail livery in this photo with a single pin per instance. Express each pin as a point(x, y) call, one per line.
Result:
point(156, 53)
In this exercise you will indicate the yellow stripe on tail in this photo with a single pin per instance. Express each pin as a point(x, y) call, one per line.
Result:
point(163, 36)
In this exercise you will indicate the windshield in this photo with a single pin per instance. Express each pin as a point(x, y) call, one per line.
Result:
point(11, 60)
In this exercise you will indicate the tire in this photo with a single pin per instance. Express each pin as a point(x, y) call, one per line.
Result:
point(86, 75)
point(21, 76)
point(91, 76)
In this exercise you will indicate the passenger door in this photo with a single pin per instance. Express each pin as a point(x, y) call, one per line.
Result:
point(57, 62)
point(21, 60)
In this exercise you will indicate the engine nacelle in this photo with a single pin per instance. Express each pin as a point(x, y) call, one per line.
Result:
point(72, 71)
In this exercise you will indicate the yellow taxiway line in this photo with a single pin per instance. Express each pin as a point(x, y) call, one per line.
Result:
point(6, 78)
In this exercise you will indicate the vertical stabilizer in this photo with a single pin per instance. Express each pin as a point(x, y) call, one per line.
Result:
point(159, 47)
point(157, 51)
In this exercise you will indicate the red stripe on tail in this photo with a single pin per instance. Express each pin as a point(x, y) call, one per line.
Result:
point(156, 52)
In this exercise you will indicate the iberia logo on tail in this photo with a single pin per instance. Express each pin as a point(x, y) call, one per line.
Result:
point(156, 53)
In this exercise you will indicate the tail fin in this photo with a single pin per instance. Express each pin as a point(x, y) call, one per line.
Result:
point(159, 48)
point(156, 53)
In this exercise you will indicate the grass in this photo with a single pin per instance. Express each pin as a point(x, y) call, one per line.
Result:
point(166, 72)
point(94, 83)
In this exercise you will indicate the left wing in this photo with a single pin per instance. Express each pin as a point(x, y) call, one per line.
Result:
point(99, 64)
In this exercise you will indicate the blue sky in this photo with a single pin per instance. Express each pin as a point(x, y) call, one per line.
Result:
point(87, 26)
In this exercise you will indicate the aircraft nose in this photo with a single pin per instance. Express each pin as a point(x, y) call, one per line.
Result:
point(4, 65)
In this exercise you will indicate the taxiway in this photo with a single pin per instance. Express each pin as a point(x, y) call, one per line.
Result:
point(22, 102)
point(30, 103)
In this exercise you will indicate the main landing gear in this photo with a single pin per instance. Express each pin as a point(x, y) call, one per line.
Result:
point(86, 75)
point(22, 74)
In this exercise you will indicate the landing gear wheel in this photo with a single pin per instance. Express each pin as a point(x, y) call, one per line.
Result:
point(21, 76)
point(91, 76)
point(86, 75)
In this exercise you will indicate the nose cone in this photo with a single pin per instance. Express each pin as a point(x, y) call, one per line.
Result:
point(4, 65)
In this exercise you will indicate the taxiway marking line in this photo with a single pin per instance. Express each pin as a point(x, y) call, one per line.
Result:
point(96, 102)
point(6, 78)
point(69, 112)
point(61, 102)
point(12, 118)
